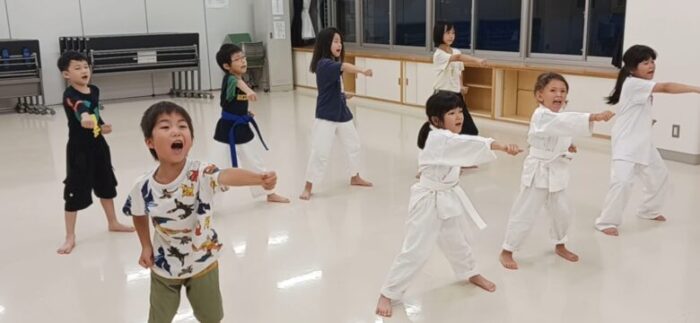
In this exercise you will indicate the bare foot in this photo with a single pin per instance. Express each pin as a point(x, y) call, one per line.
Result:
point(305, 195)
point(482, 282)
point(660, 218)
point(67, 246)
point(383, 306)
point(507, 260)
point(118, 227)
point(359, 181)
point(275, 198)
point(561, 250)
point(611, 232)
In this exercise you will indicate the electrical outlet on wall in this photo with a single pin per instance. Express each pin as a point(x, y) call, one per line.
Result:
point(676, 131)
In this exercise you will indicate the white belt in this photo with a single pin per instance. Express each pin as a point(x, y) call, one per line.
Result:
point(438, 187)
point(547, 156)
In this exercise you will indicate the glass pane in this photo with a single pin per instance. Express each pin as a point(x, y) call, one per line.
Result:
point(459, 13)
point(346, 19)
point(410, 22)
point(557, 26)
point(375, 18)
point(498, 25)
point(606, 27)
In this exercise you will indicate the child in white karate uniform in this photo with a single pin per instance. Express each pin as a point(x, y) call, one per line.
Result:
point(633, 152)
point(438, 208)
point(546, 168)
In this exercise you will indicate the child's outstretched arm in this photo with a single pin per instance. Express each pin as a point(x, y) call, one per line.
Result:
point(468, 59)
point(602, 116)
point(246, 89)
point(352, 69)
point(675, 88)
point(510, 149)
point(141, 223)
point(242, 177)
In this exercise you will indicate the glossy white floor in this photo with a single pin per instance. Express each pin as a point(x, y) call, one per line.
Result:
point(325, 260)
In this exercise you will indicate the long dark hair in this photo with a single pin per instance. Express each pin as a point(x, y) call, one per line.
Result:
point(324, 40)
point(439, 31)
point(435, 108)
point(632, 57)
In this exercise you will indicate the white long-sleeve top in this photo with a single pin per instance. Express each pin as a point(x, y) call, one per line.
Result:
point(550, 135)
point(440, 162)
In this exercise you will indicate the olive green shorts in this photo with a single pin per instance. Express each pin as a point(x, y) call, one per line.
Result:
point(202, 292)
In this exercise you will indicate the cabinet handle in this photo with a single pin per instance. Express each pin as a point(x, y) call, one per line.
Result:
point(399, 81)
point(406, 82)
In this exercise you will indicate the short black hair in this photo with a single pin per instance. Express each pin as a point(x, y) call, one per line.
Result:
point(223, 56)
point(150, 117)
point(439, 30)
point(67, 57)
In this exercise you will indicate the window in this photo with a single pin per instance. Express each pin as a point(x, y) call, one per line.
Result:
point(410, 22)
point(346, 19)
point(606, 24)
point(459, 13)
point(557, 27)
point(498, 26)
point(375, 16)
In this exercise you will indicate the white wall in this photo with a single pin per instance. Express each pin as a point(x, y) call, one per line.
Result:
point(4, 27)
point(99, 17)
point(672, 30)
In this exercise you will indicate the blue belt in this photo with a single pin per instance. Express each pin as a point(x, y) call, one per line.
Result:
point(239, 120)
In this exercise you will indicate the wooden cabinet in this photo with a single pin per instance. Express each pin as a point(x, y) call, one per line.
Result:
point(302, 75)
point(501, 91)
point(479, 97)
point(386, 82)
point(418, 81)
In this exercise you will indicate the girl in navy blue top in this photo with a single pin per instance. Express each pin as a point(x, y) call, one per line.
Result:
point(333, 118)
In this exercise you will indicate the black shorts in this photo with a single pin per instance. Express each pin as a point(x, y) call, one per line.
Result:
point(88, 168)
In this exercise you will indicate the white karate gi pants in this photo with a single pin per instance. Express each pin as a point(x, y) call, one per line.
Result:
point(322, 137)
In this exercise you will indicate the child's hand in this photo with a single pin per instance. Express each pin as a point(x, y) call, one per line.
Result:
point(465, 89)
point(510, 149)
point(146, 258)
point(368, 72)
point(269, 180)
point(573, 149)
point(483, 62)
point(349, 95)
point(603, 116)
point(106, 128)
point(252, 97)
point(86, 121)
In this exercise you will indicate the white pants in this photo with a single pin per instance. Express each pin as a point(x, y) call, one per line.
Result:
point(655, 180)
point(423, 230)
point(527, 206)
point(322, 137)
point(249, 157)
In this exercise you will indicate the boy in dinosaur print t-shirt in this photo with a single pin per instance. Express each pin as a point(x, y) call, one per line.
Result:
point(177, 199)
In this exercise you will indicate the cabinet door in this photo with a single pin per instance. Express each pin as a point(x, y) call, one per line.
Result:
point(424, 81)
point(386, 80)
point(299, 68)
point(310, 77)
point(361, 80)
point(409, 83)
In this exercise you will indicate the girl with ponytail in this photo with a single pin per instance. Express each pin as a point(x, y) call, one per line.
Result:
point(633, 152)
point(438, 206)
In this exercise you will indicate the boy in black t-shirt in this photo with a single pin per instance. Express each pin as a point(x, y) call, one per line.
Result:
point(88, 162)
point(236, 125)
